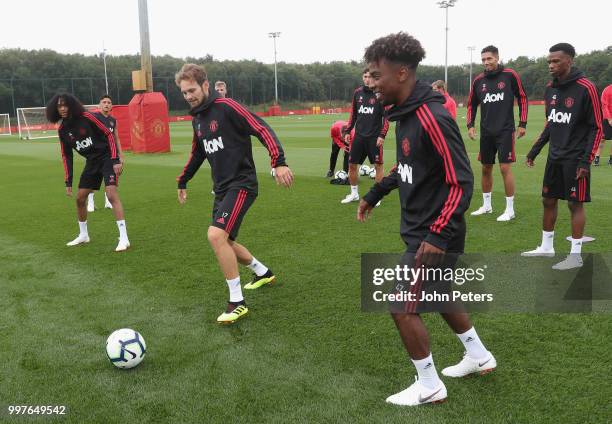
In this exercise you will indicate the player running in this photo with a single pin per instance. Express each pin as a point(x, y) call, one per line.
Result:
point(494, 90)
point(221, 134)
point(83, 132)
point(368, 120)
point(573, 127)
point(435, 182)
point(104, 116)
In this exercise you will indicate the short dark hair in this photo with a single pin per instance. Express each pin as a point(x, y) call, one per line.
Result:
point(401, 48)
point(566, 48)
point(365, 70)
point(75, 107)
point(490, 49)
point(105, 96)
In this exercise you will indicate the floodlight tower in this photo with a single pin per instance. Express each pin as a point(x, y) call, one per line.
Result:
point(445, 4)
point(275, 35)
point(471, 49)
point(105, 74)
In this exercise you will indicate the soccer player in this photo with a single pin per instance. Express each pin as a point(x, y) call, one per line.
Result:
point(83, 132)
point(574, 129)
point(435, 182)
point(221, 88)
point(339, 143)
point(104, 116)
point(368, 120)
point(450, 104)
point(221, 134)
point(606, 105)
point(495, 90)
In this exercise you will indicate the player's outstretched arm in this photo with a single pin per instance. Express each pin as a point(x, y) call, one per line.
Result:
point(182, 195)
point(196, 159)
point(538, 145)
point(364, 210)
point(283, 176)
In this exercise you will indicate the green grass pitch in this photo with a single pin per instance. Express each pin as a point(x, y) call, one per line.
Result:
point(306, 353)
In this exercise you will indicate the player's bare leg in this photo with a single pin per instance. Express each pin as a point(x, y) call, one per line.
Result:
point(353, 180)
point(549, 218)
point(508, 177)
point(380, 172)
point(578, 218)
point(113, 197)
point(487, 186)
point(81, 206)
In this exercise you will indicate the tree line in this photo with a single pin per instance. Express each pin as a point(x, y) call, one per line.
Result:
point(30, 77)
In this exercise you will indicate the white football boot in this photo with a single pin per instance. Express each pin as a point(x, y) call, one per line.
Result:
point(481, 211)
point(122, 246)
point(350, 198)
point(417, 394)
point(573, 260)
point(471, 366)
point(506, 216)
point(81, 239)
point(539, 251)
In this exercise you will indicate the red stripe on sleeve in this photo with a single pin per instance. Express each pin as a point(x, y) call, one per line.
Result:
point(108, 133)
point(597, 111)
point(523, 97)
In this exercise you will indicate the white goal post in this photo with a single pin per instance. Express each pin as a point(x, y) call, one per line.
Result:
point(5, 124)
point(32, 123)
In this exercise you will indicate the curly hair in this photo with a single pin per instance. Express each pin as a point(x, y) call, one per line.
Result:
point(75, 107)
point(399, 48)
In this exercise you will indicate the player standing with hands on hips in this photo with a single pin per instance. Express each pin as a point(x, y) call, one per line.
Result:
point(222, 130)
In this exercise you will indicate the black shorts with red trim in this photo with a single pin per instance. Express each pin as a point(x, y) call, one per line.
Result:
point(229, 210)
point(430, 292)
point(560, 182)
point(607, 130)
point(96, 170)
point(501, 144)
point(365, 147)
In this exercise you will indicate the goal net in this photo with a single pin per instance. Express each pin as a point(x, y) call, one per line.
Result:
point(32, 123)
point(5, 124)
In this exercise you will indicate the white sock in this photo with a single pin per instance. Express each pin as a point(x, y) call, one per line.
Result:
point(428, 376)
point(354, 190)
point(257, 267)
point(473, 346)
point(90, 198)
point(486, 200)
point(576, 246)
point(122, 230)
point(510, 204)
point(548, 238)
point(235, 290)
point(106, 199)
point(83, 228)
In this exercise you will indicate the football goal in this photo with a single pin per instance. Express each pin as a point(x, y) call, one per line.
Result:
point(5, 124)
point(32, 123)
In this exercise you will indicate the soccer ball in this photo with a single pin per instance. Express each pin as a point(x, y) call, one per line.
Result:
point(125, 348)
point(341, 175)
point(364, 170)
point(372, 173)
point(273, 172)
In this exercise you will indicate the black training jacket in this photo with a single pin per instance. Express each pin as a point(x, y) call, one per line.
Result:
point(367, 115)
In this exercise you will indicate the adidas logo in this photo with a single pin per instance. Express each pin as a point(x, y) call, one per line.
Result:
point(427, 366)
point(469, 339)
point(221, 221)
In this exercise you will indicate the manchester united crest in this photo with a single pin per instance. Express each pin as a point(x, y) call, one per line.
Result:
point(372, 101)
point(569, 102)
point(406, 146)
point(484, 87)
point(501, 85)
point(214, 126)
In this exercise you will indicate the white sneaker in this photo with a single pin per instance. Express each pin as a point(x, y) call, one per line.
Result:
point(538, 251)
point(585, 239)
point(573, 260)
point(417, 394)
point(481, 211)
point(506, 216)
point(122, 246)
point(91, 207)
point(471, 366)
point(350, 198)
point(81, 239)
point(378, 204)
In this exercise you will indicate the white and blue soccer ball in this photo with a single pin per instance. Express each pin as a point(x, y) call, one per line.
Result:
point(125, 348)
point(341, 175)
point(364, 170)
point(372, 173)
point(273, 172)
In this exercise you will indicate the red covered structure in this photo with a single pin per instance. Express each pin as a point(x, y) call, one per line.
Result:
point(149, 130)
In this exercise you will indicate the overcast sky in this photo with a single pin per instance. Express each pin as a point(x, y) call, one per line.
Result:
point(311, 30)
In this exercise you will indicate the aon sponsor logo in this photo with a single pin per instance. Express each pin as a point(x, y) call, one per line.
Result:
point(559, 117)
point(84, 144)
point(495, 97)
point(366, 109)
point(211, 146)
point(405, 172)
